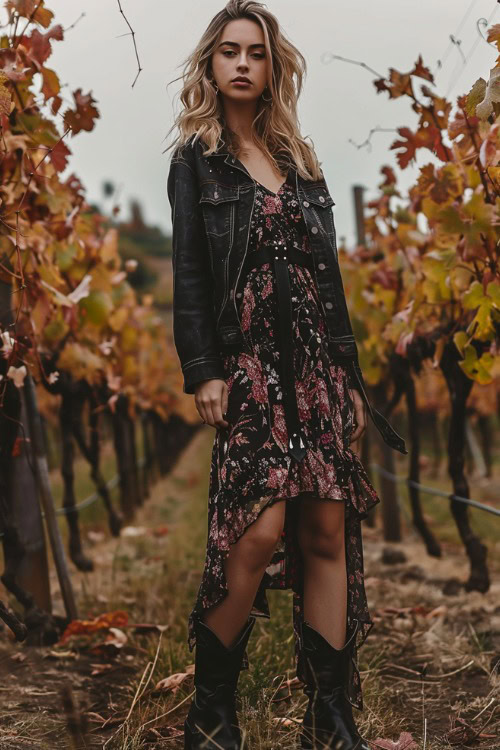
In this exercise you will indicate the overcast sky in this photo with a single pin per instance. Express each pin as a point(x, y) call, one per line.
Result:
point(339, 101)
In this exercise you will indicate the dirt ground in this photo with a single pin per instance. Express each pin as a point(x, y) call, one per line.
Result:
point(430, 667)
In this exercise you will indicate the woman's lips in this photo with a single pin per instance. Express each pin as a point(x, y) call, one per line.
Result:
point(241, 83)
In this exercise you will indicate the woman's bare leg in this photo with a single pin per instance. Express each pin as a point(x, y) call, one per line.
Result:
point(244, 567)
point(321, 539)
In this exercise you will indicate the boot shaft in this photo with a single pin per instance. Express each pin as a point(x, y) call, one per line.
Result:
point(215, 664)
point(213, 709)
point(326, 666)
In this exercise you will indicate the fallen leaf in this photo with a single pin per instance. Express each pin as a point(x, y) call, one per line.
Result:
point(133, 531)
point(60, 655)
point(405, 742)
point(284, 722)
point(88, 627)
point(96, 536)
point(115, 640)
point(19, 656)
point(98, 669)
point(160, 530)
point(173, 682)
point(440, 611)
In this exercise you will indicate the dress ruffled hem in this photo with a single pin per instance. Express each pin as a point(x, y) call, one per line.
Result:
point(284, 570)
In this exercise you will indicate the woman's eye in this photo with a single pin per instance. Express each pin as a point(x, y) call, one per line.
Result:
point(232, 52)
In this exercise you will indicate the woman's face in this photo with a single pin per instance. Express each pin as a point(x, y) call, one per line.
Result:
point(241, 52)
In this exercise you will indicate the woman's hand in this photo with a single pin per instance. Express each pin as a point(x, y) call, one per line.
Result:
point(210, 397)
point(360, 415)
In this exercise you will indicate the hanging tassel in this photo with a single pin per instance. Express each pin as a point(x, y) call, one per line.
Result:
point(297, 447)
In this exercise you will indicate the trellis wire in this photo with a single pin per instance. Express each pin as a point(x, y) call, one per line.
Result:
point(91, 499)
point(434, 490)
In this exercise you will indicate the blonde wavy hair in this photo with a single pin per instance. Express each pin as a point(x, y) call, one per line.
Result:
point(275, 128)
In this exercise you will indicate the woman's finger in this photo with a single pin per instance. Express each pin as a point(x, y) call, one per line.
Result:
point(210, 414)
point(360, 417)
point(218, 416)
point(224, 400)
point(202, 412)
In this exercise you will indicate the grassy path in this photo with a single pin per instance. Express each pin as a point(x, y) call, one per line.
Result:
point(428, 666)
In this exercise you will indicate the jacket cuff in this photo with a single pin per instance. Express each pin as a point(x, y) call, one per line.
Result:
point(204, 370)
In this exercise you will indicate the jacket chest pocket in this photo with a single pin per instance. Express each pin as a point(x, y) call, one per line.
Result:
point(320, 202)
point(219, 204)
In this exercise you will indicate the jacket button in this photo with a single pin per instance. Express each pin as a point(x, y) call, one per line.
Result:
point(321, 266)
point(321, 199)
point(306, 204)
point(314, 230)
point(238, 294)
point(216, 195)
point(329, 305)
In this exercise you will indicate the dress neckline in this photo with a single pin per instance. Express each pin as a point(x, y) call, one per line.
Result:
point(275, 195)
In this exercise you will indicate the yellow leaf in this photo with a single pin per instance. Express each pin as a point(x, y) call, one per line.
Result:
point(129, 367)
point(50, 274)
point(118, 318)
point(5, 97)
point(128, 338)
point(478, 369)
point(81, 363)
point(109, 248)
point(460, 339)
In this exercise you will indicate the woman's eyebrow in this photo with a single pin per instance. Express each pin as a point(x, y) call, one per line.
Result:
point(235, 44)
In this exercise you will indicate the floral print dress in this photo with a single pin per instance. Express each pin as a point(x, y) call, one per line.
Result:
point(250, 466)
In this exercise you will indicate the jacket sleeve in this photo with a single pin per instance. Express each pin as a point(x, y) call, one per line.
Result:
point(193, 315)
point(354, 372)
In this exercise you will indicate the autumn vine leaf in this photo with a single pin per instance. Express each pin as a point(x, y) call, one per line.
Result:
point(72, 301)
point(410, 285)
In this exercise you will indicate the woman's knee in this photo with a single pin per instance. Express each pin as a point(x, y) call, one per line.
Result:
point(260, 539)
point(327, 543)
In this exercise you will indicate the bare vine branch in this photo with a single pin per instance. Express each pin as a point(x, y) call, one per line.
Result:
point(133, 39)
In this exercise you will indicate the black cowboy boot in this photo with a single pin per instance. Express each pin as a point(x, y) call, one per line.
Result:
point(328, 722)
point(212, 714)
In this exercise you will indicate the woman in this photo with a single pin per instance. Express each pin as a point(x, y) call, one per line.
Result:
point(266, 347)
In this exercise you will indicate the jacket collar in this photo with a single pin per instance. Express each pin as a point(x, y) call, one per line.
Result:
point(222, 150)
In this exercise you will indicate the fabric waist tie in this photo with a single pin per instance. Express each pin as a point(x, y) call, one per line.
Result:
point(279, 257)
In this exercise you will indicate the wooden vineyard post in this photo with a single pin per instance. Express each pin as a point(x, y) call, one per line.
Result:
point(32, 573)
point(360, 219)
point(47, 501)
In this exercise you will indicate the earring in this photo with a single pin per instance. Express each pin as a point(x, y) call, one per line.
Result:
point(215, 86)
point(263, 97)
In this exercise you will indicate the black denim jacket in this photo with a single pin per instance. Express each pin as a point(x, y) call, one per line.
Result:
point(212, 200)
